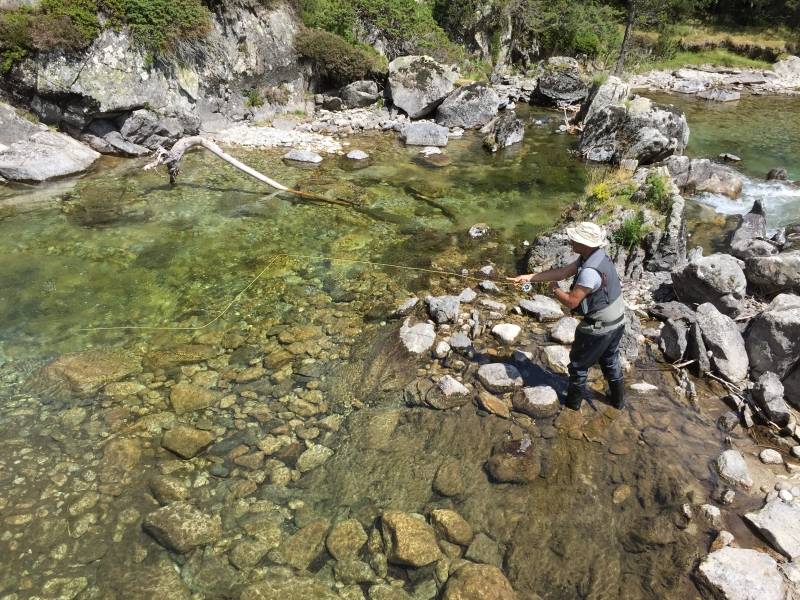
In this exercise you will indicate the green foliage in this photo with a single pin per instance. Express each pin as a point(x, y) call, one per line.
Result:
point(159, 25)
point(668, 43)
point(631, 233)
point(335, 59)
point(658, 192)
point(253, 99)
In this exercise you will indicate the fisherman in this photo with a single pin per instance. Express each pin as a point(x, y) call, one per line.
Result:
point(596, 295)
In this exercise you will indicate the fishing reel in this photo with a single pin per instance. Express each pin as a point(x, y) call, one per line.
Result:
point(527, 287)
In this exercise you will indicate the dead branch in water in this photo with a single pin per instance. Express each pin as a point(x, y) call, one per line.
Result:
point(172, 159)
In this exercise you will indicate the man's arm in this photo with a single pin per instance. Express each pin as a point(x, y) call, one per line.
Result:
point(572, 298)
point(549, 275)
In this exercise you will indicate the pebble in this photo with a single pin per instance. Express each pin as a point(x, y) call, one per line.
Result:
point(785, 495)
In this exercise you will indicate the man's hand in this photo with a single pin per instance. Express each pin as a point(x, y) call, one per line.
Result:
point(553, 286)
point(520, 278)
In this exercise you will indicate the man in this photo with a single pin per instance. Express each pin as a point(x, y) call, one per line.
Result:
point(596, 295)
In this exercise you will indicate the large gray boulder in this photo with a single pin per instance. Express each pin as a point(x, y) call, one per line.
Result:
point(773, 337)
point(717, 279)
point(359, 94)
point(779, 523)
point(612, 91)
point(560, 83)
point(103, 136)
point(637, 129)
point(151, 130)
point(741, 574)
point(701, 175)
point(776, 273)
point(470, 106)
point(418, 84)
point(503, 131)
point(750, 238)
point(670, 248)
point(31, 152)
point(768, 394)
point(722, 338)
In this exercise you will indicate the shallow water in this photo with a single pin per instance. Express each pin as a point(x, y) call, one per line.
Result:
point(309, 341)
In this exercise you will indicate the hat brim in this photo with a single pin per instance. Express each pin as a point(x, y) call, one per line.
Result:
point(575, 236)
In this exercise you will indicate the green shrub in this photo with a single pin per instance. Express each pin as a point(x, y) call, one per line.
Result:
point(631, 233)
point(334, 59)
point(566, 27)
point(668, 42)
point(658, 192)
point(159, 25)
point(253, 99)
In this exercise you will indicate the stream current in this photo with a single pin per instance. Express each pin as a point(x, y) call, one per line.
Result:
point(307, 359)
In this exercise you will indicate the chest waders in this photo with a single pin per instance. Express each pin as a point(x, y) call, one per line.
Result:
point(598, 336)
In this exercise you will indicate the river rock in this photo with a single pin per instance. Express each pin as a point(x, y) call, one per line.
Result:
point(183, 354)
point(359, 94)
point(417, 338)
point(302, 156)
point(86, 372)
point(406, 307)
point(503, 131)
point(701, 175)
point(612, 91)
point(294, 588)
point(103, 136)
point(560, 83)
point(313, 457)
point(749, 239)
point(779, 273)
point(460, 342)
point(769, 456)
point(470, 106)
point(538, 402)
point(673, 340)
point(346, 539)
point(563, 331)
point(418, 84)
point(768, 394)
point(449, 479)
point(452, 526)
point(302, 548)
point(733, 469)
point(777, 174)
point(425, 133)
point(718, 279)
point(167, 489)
point(542, 308)
point(31, 153)
point(494, 405)
point(638, 129)
point(357, 155)
point(514, 461)
point(499, 378)
point(151, 130)
point(408, 539)
point(719, 95)
point(506, 332)
point(557, 358)
point(187, 397)
point(779, 523)
point(741, 574)
point(181, 527)
point(186, 442)
point(484, 549)
point(773, 337)
point(723, 339)
point(478, 582)
point(444, 309)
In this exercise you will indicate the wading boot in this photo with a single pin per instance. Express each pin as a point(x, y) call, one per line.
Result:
point(616, 393)
point(574, 397)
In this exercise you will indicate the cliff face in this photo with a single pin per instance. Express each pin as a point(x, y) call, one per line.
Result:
point(245, 67)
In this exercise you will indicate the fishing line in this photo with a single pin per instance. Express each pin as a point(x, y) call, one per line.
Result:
point(310, 257)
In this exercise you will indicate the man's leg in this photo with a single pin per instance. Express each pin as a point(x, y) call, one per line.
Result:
point(612, 369)
point(586, 350)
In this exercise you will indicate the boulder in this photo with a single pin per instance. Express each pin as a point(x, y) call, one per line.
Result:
point(670, 246)
point(779, 523)
point(788, 68)
point(499, 378)
point(538, 402)
point(719, 95)
point(768, 394)
point(750, 238)
point(733, 469)
point(673, 340)
point(102, 135)
point(408, 539)
point(180, 527)
point(151, 130)
point(542, 308)
point(741, 574)
point(560, 83)
point(563, 331)
point(777, 174)
point(417, 338)
point(478, 582)
point(359, 94)
point(470, 106)
point(425, 133)
point(514, 461)
point(418, 84)
point(701, 175)
point(638, 129)
point(444, 309)
point(187, 442)
point(612, 91)
point(723, 339)
point(717, 279)
point(503, 131)
point(773, 337)
point(774, 274)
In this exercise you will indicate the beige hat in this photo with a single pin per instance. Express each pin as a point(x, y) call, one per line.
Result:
point(588, 234)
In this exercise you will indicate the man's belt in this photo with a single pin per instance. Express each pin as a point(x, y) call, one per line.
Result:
point(599, 323)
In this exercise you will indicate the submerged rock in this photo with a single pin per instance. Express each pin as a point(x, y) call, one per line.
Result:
point(470, 106)
point(417, 338)
point(741, 574)
point(425, 133)
point(86, 372)
point(418, 84)
point(503, 131)
point(182, 527)
point(473, 582)
point(514, 462)
point(302, 156)
point(346, 539)
point(408, 539)
point(186, 442)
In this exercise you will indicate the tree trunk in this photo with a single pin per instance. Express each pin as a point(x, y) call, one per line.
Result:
point(172, 158)
point(626, 38)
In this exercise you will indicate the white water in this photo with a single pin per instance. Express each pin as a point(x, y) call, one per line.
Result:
point(781, 201)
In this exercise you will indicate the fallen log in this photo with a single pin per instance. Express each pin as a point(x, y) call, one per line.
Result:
point(172, 158)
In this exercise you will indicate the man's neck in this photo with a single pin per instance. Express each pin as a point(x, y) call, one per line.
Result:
point(585, 254)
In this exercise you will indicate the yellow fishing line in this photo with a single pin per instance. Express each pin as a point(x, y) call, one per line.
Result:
point(270, 262)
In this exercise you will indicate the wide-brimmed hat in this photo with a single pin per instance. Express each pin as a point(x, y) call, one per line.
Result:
point(587, 234)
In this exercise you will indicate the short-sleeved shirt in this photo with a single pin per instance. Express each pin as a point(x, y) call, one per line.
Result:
point(590, 279)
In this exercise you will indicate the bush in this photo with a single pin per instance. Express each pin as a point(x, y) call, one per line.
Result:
point(334, 59)
point(668, 43)
point(566, 27)
point(253, 99)
point(631, 233)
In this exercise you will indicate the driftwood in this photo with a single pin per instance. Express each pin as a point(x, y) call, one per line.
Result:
point(172, 158)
